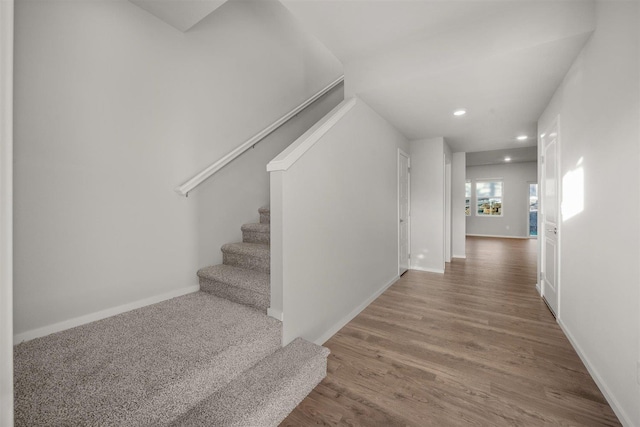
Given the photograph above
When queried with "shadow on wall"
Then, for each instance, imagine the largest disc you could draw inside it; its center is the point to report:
(232, 196)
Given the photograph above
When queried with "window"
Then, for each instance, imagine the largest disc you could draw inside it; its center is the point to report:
(533, 209)
(489, 198)
(467, 195)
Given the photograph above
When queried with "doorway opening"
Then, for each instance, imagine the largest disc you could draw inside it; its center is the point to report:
(404, 182)
(533, 209)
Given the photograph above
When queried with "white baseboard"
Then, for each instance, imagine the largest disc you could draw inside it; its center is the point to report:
(613, 402)
(429, 270)
(459, 256)
(103, 314)
(538, 289)
(346, 319)
(497, 236)
(276, 314)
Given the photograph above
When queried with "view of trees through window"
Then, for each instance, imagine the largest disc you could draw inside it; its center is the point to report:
(489, 198)
(533, 209)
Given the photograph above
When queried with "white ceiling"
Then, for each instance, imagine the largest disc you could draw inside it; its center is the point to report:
(181, 14)
(495, 157)
(415, 61)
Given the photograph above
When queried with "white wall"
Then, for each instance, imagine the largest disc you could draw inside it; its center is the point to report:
(599, 105)
(458, 218)
(113, 109)
(428, 204)
(337, 209)
(514, 221)
(6, 213)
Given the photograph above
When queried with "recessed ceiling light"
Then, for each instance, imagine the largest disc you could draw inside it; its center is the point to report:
(460, 112)
(522, 137)
(507, 159)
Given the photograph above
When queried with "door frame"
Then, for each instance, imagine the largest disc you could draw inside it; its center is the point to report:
(403, 153)
(541, 213)
(6, 212)
(448, 167)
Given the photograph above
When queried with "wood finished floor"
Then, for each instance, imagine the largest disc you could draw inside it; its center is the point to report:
(475, 346)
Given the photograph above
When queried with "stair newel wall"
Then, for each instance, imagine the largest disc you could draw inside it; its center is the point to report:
(277, 261)
(334, 242)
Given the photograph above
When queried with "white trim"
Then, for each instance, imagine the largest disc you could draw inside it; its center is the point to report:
(402, 153)
(498, 236)
(276, 314)
(459, 256)
(346, 319)
(538, 288)
(448, 231)
(292, 153)
(444, 208)
(613, 402)
(103, 314)
(6, 212)
(196, 180)
(428, 270)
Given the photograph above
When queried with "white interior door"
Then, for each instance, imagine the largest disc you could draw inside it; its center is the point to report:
(549, 269)
(403, 212)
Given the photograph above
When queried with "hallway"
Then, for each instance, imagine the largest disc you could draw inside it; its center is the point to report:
(475, 346)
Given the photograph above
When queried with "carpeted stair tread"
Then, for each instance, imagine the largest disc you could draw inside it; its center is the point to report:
(254, 256)
(252, 280)
(257, 250)
(144, 367)
(264, 395)
(240, 285)
(256, 233)
(257, 227)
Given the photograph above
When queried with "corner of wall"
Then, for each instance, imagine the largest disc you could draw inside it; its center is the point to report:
(428, 204)
(6, 212)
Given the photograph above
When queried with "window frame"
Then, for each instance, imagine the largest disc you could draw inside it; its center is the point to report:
(501, 214)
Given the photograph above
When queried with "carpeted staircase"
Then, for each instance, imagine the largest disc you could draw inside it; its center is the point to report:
(212, 358)
(244, 275)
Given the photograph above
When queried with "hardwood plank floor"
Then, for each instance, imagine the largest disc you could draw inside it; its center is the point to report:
(475, 346)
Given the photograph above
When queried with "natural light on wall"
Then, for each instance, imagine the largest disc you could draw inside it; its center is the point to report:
(573, 192)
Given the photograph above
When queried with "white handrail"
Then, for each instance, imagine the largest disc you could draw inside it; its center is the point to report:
(192, 183)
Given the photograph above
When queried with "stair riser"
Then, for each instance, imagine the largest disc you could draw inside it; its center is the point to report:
(236, 294)
(240, 356)
(279, 405)
(265, 217)
(247, 261)
(291, 395)
(256, 237)
(259, 397)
